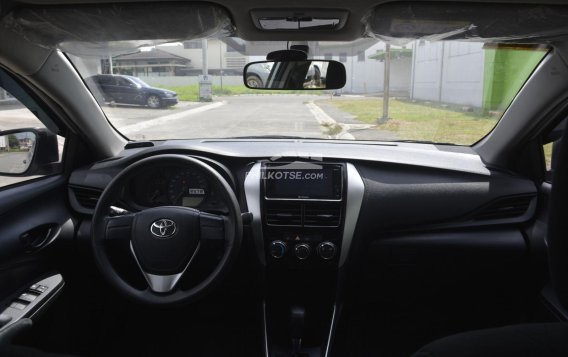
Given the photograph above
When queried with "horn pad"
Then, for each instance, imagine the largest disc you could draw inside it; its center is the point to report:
(165, 238)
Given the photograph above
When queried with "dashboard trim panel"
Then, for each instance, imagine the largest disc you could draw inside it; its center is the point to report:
(354, 200)
(253, 197)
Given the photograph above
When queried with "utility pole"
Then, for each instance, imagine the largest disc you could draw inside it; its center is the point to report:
(386, 86)
(221, 63)
(110, 70)
(204, 58)
(205, 85)
(440, 88)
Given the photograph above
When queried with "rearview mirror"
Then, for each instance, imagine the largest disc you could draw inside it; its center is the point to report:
(294, 75)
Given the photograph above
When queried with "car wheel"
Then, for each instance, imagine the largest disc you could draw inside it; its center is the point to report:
(254, 82)
(153, 101)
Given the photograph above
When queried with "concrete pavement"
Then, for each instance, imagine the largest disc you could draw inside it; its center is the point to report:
(305, 115)
(14, 162)
(247, 115)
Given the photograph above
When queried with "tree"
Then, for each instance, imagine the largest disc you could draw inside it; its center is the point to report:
(13, 141)
(395, 54)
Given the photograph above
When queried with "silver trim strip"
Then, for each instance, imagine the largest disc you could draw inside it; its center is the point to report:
(355, 192)
(265, 328)
(162, 283)
(252, 195)
(331, 331)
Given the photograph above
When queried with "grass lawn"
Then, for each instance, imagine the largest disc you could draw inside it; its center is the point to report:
(413, 121)
(191, 92)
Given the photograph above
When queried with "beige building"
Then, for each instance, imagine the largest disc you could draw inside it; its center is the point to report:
(181, 59)
(220, 56)
(152, 63)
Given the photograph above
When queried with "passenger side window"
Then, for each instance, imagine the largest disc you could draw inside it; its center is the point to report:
(28, 148)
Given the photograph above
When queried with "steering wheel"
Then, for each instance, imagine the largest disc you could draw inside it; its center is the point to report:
(164, 240)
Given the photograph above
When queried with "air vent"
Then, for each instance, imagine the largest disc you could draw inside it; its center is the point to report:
(87, 197)
(283, 214)
(509, 207)
(322, 214)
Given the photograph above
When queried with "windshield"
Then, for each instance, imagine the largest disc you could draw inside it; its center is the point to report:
(443, 92)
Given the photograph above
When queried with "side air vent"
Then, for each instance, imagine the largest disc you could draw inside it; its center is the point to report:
(283, 214)
(508, 207)
(86, 197)
(322, 215)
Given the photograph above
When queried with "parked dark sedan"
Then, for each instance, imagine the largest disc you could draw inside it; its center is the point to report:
(131, 90)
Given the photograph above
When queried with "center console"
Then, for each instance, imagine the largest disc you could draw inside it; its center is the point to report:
(303, 209)
(304, 217)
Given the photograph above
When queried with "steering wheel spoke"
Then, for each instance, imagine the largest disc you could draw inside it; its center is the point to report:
(118, 228)
(162, 283)
(212, 226)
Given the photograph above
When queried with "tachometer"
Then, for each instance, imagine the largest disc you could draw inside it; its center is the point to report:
(188, 188)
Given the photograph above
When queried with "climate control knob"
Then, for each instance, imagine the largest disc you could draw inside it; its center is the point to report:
(326, 250)
(302, 251)
(277, 249)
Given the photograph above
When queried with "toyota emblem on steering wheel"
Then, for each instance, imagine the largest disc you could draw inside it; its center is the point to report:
(163, 228)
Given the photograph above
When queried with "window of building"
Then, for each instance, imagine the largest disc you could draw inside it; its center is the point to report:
(192, 44)
(328, 56)
(361, 56)
(343, 57)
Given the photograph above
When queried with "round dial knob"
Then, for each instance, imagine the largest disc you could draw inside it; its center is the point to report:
(302, 251)
(326, 250)
(277, 249)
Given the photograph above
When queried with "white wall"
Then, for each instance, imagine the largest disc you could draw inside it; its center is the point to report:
(458, 66)
(216, 54)
(367, 77)
(463, 74)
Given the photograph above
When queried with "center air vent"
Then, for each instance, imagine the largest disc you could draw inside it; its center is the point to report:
(503, 208)
(308, 214)
(283, 214)
(322, 214)
(86, 197)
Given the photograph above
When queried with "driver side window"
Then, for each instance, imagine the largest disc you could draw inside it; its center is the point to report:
(21, 132)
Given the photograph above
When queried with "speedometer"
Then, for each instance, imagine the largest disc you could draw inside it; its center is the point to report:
(188, 188)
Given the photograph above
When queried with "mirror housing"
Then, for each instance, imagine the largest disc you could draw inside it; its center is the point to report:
(295, 75)
(27, 152)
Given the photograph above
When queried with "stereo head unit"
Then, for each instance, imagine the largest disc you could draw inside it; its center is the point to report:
(302, 181)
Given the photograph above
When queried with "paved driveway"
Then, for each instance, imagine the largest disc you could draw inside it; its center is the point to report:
(247, 115)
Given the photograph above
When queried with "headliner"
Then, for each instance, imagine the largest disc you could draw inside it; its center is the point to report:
(239, 10)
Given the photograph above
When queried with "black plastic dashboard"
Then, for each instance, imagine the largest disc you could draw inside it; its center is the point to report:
(407, 186)
(380, 222)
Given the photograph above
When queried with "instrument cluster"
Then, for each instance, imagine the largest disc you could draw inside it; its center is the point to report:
(175, 186)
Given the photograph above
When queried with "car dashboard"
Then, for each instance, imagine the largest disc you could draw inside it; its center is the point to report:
(340, 217)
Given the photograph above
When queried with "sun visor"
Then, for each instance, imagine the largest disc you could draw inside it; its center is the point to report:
(91, 29)
(437, 21)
